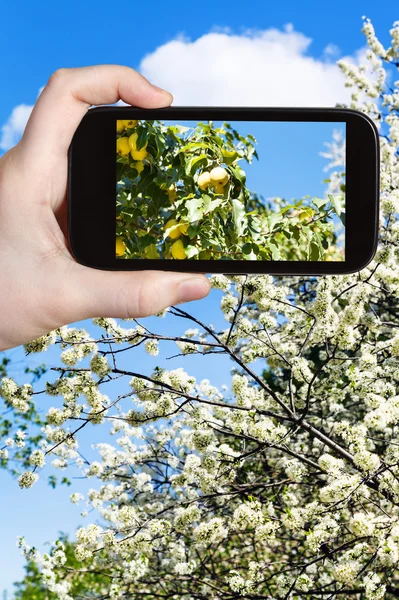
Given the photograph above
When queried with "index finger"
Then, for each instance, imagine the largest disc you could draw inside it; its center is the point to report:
(68, 95)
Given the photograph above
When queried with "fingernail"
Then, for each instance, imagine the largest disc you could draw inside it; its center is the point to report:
(193, 288)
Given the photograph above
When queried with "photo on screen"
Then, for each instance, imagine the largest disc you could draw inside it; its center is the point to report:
(239, 190)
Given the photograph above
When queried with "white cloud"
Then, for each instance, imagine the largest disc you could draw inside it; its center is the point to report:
(264, 68)
(254, 68)
(14, 127)
(331, 50)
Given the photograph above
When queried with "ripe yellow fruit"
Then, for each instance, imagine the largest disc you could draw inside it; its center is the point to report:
(184, 228)
(139, 166)
(129, 124)
(219, 175)
(120, 247)
(133, 141)
(172, 192)
(139, 154)
(178, 250)
(122, 146)
(176, 232)
(119, 126)
(218, 188)
(204, 180)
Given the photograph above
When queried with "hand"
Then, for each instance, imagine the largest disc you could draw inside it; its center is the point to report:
(41, 285)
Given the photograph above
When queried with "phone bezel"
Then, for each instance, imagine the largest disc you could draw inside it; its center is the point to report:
(92, 181)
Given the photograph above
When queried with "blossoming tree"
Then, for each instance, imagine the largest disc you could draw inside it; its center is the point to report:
(284, 485)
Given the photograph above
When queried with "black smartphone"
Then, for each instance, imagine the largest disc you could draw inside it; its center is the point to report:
(224, 190)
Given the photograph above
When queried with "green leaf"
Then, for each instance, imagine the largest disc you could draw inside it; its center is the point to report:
(274, 250)
(272, 220)
(195, 163)
(239, 217)
(319, 202)
(255, 224)
(218, 140)
(119, 170)
(206, 203)
(195, 209)
(336, 202)
(239, 173)
(191, 251)
(195, 145)
(265, 253)
(287, 208)
(161, 178)
(179, 129)
(247, 248)
(151, 251)
(141, 138)
(325, 243)
(314, 251)
(183, 201)
(214, 204)
(193, 231)
(306, 213)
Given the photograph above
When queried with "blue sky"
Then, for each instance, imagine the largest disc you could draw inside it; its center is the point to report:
(281, 170)
(38, 38)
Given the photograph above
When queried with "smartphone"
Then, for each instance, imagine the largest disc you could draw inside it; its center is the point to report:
(288, 191)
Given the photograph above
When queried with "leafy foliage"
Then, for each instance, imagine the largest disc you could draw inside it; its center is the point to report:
(32, 587)
(163, 197)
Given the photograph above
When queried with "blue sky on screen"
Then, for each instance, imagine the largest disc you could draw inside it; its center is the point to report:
(290, 164)
(258, 53)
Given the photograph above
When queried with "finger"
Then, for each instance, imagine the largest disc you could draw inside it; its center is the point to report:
(68, 95)
(94, 293)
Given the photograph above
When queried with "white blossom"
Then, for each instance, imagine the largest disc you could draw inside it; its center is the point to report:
(27, 479)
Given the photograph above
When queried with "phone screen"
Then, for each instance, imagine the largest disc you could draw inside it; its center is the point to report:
(237, 190)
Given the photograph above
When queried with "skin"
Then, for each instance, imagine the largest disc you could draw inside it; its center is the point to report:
(42, 286)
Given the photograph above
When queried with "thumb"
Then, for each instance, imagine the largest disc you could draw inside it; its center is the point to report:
(97, 293)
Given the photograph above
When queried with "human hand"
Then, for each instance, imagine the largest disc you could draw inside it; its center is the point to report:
(42, 286)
